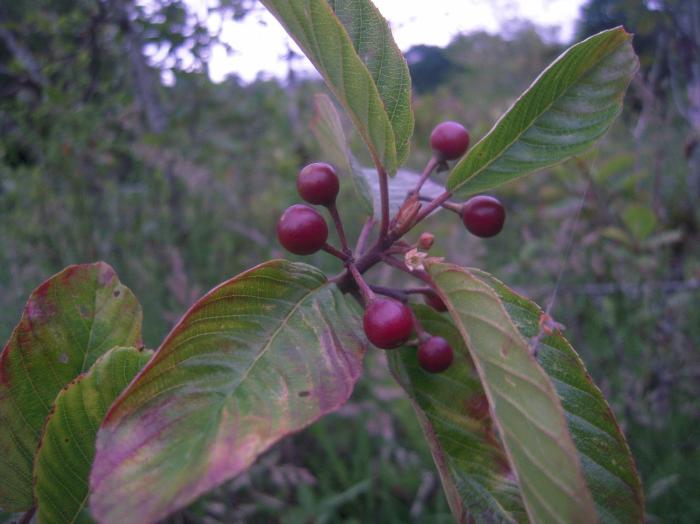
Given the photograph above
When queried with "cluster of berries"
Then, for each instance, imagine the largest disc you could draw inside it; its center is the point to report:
(388, 323)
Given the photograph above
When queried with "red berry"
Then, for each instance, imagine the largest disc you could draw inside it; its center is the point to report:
(388, 323)
(318, 184)
(483, 216)
(302, 230)
(435, 355)
(435, 302)
(449, 140)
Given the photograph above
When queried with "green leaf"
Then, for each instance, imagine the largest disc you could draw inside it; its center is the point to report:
(640, 220)
(68, 322)
(260, 356)
(328, 130)
(454, 415)
(63, 459)
(315, 28)
(372, 39)
(399, 186)
(608, 466)
(525, 408)
(566, 109)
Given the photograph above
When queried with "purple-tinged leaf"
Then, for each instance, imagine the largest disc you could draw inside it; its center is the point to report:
(257, 358)
(68, 322)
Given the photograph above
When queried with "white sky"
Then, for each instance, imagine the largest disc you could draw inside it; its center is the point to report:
(260, 43)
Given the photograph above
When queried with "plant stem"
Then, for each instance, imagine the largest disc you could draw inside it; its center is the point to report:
(429, 167)
(333, 210)
(384, 198)
(367, 294)
(423, 335)
(398, 294)
(425, 211)
(27, 517)
(364, 234)
(336, 252)
(419, 291)
(452, 206)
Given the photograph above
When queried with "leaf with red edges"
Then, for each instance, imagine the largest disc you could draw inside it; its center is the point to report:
(261, 356)
(68, 322)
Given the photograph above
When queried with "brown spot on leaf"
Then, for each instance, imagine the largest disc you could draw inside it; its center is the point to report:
(478, 406)
(116, 293)
(63, 358)
(304, 393)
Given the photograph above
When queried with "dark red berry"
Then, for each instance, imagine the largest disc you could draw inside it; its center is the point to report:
(449, 140)
(302, 230)
(435, 355)
(388, 323)
(318, 184)
(435, 302)
(483, 216)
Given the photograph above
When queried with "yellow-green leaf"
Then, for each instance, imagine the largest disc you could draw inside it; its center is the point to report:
(63, 459)
(524, 405)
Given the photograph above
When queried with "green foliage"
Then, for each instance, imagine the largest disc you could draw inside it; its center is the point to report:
(608, 466)
(376, 95)
(524, 405)
(64, 456)
(260, 356)
(454, 414)
(83, 176)
(328, 130)
(570, 105)
(68, 322)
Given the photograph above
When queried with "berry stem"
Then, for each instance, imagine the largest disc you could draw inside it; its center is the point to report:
(367, 293)
(364, 235)
(336, 252)
(451, 206)
(432, 206)
(422, 334)
(419, 291)
(429, 167)
(398, 294)
(384, 198)
(333, 210)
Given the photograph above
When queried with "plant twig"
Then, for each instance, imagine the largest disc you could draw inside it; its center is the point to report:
(26, 518)
(336, 252)
(429, 167)
(451, 206)
(364, 234)
(384, 198)
(398, 294)
(419, 291)
(367, 294)
(333, 210)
